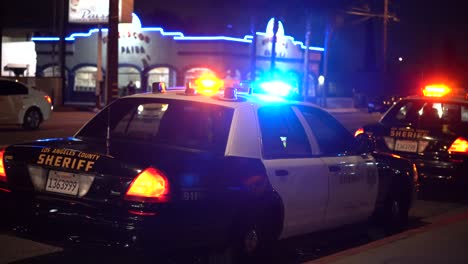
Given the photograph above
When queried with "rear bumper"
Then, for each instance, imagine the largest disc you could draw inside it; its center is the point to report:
(160, 232)
(450, 174)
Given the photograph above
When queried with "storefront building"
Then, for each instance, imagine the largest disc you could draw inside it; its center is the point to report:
(149, 55)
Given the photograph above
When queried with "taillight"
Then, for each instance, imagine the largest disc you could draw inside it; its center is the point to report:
(3, 177)
(151, 185)
(415, 174)
(48, 99)
(460, 145)
(359, 132)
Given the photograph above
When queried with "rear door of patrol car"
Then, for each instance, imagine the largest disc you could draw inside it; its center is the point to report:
(300, 178)
(352, 176)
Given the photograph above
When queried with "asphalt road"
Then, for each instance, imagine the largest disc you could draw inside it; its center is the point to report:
(61, 124)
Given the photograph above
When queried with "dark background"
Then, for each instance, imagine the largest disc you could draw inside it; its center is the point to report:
(430, 36)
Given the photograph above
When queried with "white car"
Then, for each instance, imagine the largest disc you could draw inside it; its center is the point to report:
(23, 105)
(233, 173)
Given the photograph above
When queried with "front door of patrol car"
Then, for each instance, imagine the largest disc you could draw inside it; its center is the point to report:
(352, 177)
(300, 179)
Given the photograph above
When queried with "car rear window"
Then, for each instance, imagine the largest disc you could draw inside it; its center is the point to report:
(427, 113)
(170, 122)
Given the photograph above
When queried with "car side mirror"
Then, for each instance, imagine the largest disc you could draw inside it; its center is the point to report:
(365, 143)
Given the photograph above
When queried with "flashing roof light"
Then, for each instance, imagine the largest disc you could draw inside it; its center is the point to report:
(208, 84)
(278, 88)
(436, 90)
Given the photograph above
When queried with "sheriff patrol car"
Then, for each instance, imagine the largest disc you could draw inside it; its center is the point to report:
(206, 168)
(430, 129)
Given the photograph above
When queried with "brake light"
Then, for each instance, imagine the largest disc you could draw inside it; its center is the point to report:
(460, 145)
(151, 185)
(3, 177)
(359, 132)
(48, 99)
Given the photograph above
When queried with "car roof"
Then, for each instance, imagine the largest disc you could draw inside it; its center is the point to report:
(243, 99)
(453, 99)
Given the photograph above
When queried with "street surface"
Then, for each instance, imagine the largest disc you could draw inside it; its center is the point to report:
(19, 247)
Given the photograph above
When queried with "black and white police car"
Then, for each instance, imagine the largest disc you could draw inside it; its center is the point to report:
(184, 169)
(430, 129)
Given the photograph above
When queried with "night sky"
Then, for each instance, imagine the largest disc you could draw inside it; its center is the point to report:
(431, 35)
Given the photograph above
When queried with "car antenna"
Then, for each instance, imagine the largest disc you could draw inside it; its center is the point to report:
(108, 132)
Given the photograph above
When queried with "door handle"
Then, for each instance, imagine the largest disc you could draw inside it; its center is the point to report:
(334, 168)
(281, 172)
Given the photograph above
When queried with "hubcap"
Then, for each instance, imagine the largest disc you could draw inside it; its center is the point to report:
(251, 241)
(395, 209)
(33, 119)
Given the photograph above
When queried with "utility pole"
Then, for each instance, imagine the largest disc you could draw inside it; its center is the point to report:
(62, 48)
(385, 23)
(273, 45)
(305, 77)
(328, 33)
(112, 51)
(386, 16)
(99, 68)
(253, 52)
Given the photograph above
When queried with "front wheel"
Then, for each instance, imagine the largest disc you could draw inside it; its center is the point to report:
(32, 119)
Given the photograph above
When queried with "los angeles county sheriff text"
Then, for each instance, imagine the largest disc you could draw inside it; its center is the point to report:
(66, 158)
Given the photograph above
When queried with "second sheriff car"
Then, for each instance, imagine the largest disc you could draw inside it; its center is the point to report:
(430, 129)
(228, 170)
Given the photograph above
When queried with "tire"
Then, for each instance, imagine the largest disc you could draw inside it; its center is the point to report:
(32, 119)
(250, 242)
(395, 214)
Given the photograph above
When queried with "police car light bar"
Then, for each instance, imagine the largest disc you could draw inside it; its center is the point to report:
(208, 84)
(436, 90)
(277, 88)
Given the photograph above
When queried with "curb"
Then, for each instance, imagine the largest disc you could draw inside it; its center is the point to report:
(444, 221)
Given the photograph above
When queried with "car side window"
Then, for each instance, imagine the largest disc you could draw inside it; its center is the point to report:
(405, 112)
(170, 122)
(282, 133)
(332, 137)
(12, 88)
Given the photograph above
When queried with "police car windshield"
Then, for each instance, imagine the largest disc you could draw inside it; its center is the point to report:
(427, 113)
(159, 121)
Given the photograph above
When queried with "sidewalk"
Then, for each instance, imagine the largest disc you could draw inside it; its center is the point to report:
(442, 241)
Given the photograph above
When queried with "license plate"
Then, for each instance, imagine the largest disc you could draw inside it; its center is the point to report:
(63, 182)
(406, 145)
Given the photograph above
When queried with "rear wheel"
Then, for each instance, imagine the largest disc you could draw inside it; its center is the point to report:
(396, 213)
(249, 242)
(32, 119)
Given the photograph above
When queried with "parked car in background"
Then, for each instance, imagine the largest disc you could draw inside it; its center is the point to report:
(432, 131)
(382, 103)
(23, 105)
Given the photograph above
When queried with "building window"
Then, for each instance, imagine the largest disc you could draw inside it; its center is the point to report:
(127, 74)
(52, 71)
(161, 74)
(85, 79)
